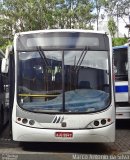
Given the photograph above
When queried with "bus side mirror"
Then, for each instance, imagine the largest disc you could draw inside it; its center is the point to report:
(5, 60)
(5, 65)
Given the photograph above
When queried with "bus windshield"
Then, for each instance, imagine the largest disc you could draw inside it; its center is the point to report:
(63, 80)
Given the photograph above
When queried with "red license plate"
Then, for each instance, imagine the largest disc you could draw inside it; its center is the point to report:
(64, 134)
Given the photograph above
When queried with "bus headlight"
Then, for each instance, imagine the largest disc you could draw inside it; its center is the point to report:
(99, 123)
(25, 121)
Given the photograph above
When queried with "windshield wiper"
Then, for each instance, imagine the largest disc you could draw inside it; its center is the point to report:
(43, 56)
(81, 58)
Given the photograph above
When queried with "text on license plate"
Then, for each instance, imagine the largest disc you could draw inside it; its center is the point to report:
(64, 134)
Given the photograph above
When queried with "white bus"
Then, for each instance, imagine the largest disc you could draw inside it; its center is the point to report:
(121, 81)
(4, 108)
(129, 71)
(63, 86)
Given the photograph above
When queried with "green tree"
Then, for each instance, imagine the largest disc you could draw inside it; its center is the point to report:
(83, 14)
(44, 14)
(74, 14)
(118, 9)
(98, 5)
(119, 41)
(112, 27)
(25, 15)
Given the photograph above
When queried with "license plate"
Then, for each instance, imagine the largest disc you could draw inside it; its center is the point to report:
(64, 134)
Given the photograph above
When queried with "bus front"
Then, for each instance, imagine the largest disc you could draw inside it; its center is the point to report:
(63, 87)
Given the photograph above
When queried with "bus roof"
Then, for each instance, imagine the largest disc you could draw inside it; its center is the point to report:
(61, 30)
(120, 47)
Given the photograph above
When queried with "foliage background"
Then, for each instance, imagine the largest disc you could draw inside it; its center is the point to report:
(25, 15)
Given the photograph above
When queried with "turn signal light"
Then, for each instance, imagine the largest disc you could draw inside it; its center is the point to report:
(99, 123)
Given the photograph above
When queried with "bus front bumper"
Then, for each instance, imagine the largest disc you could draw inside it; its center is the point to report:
(26, 134)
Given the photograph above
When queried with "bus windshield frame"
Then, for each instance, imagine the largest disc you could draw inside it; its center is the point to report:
(77, 61)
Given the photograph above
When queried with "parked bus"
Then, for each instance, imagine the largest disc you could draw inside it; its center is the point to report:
(128, 70)
(121, 81)
(61, 86)
(3, 103)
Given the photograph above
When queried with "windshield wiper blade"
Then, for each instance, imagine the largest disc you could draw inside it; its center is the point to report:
(43, 56)
(81, 58)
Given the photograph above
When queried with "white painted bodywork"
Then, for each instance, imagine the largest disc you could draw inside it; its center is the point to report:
(121, 96)
(22, 133)
(102, 134)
